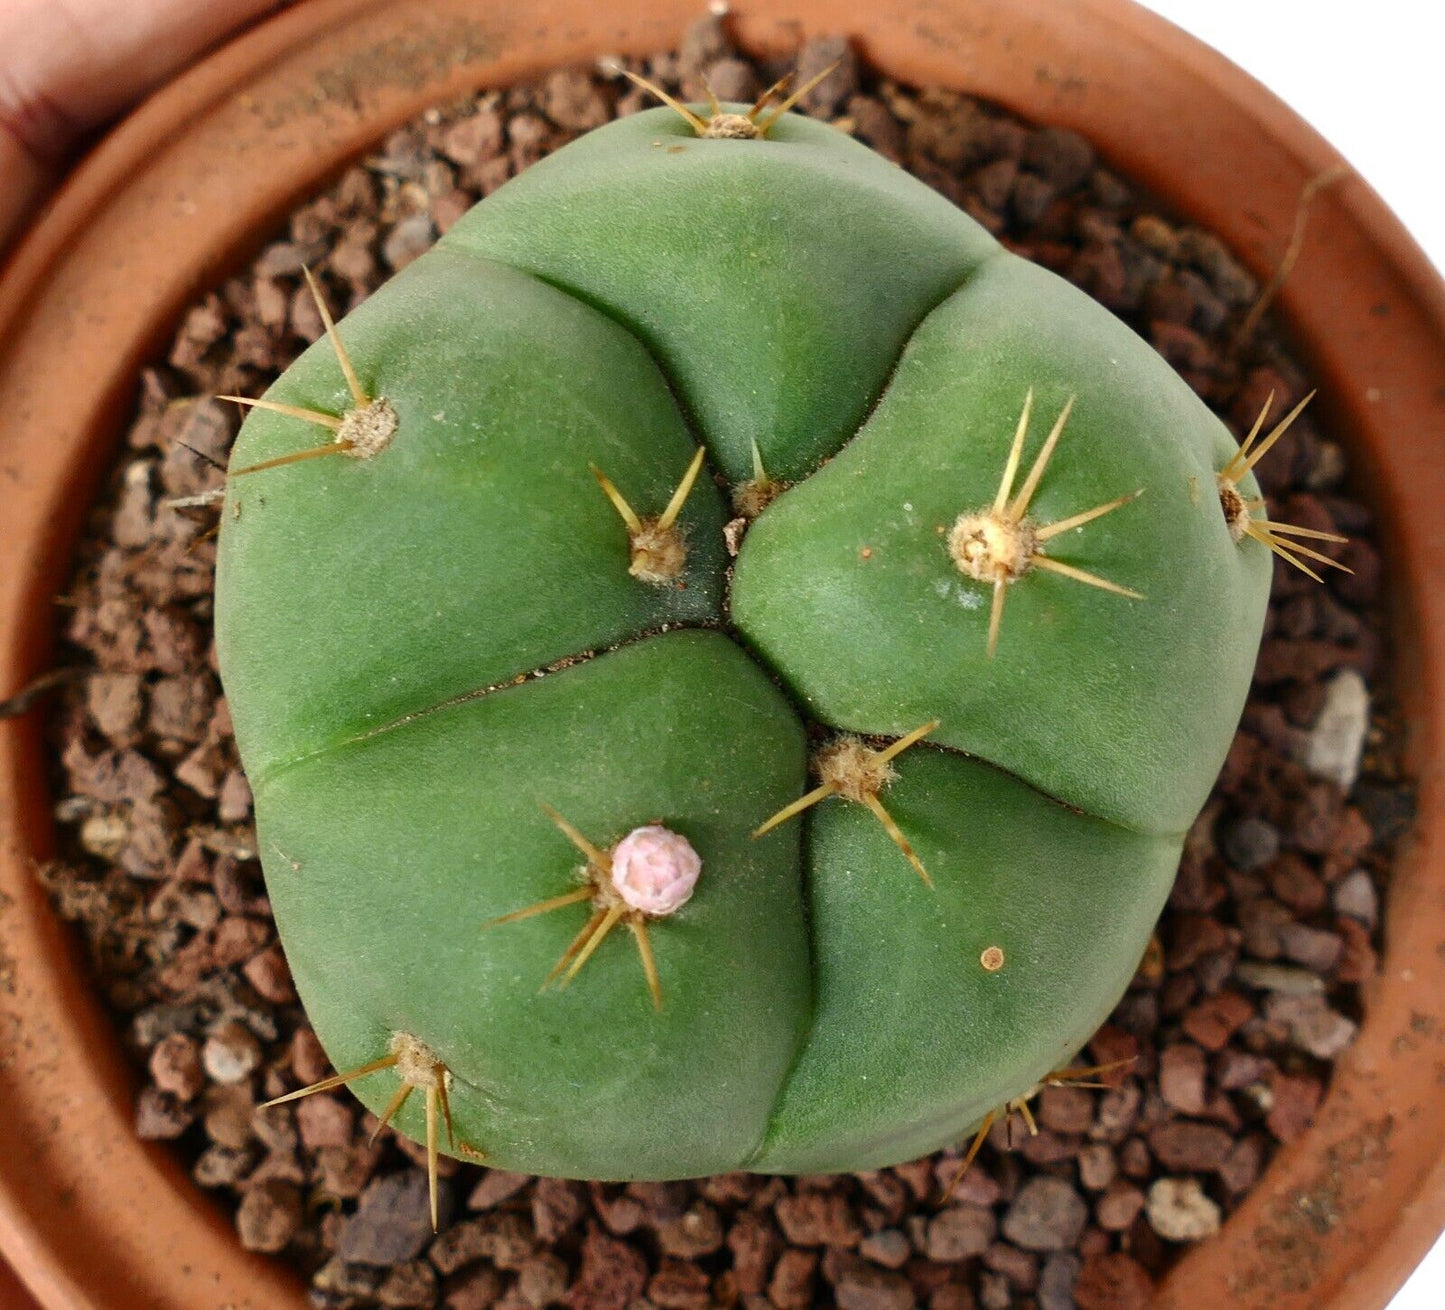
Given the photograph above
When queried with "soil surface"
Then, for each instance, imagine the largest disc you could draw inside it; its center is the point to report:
(1249, 991)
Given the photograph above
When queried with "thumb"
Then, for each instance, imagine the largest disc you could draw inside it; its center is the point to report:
(68, 66)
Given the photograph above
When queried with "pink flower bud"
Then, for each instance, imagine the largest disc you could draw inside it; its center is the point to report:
(655, 870)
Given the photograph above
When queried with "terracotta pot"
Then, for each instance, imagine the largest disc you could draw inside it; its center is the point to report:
(185, 189)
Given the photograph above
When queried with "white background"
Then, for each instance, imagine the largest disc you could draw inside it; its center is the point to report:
(1367, 76)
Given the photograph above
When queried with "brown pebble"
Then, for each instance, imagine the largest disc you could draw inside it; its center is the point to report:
(496, 1186)
(679, 1285)
(1182, 1077)
(874, 125)
(308, 1058)
(887, 1247)
(1046, 1215)
(734, 80)
(1241, 1167)
(959, 1232)
(861, 1286)
(698, 1232)
(1184, 1146)
(1113, 1282)
(1295, 884)
(345, 1170)
(475, 138)
(572, 100)
(951, 1296)
(175, 1065)
(1019, 1267)
(755, 1245)
(475, 1288)
(1119, 1206)
(160, 1116)
(324, 1121)
(1294, 1099)
(613, 1274)
(1066, 1109)
(1215, 1019)
(411, 1284)
(818, 1219)
(791, 1286)
(268, 973)
(227, 1111)
(115, 703)
(269, 1216)
(542, 1280)
(1358, 960)
(233, 801)
(557, 1205)
(222, 1166)
(834, 91)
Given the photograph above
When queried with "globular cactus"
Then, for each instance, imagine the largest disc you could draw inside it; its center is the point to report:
(490, 717)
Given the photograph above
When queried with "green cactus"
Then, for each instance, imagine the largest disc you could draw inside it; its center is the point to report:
(489, 717)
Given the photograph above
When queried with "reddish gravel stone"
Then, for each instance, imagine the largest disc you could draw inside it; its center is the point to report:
(308, 1059)
(1097, 1166)
(1241, 1167)
(1358, 960)
(1113, 1282)
(1186, 1147)
(506, 1239)
(557, 1207)
(887, 1247)
(175, 1066)
(269, 1217)
(496, 1186)
(160, 1116)
(613, 1274)
(818, 1219)
(697, 1233)
(861, 1286)
(1019, 1267)
(755, 1245)
(415, 1284)
(791, 1286)
(1046, 1215)
(1066, 1109)
(268, 974)
(324, 1121)
(1119, 1206)
(1182, 1077)
(474, 1288)
(1216, 1019)
(1294, 1101)
(959, 1232)
(679, 1285)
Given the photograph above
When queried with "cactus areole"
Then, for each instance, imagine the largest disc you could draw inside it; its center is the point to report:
(739, 701)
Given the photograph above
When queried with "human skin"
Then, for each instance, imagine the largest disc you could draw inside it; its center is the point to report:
(71, 66)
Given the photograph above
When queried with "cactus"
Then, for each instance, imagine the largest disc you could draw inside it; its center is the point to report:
(705, 453)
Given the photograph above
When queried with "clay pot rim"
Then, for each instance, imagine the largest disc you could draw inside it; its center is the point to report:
(91, 1217)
